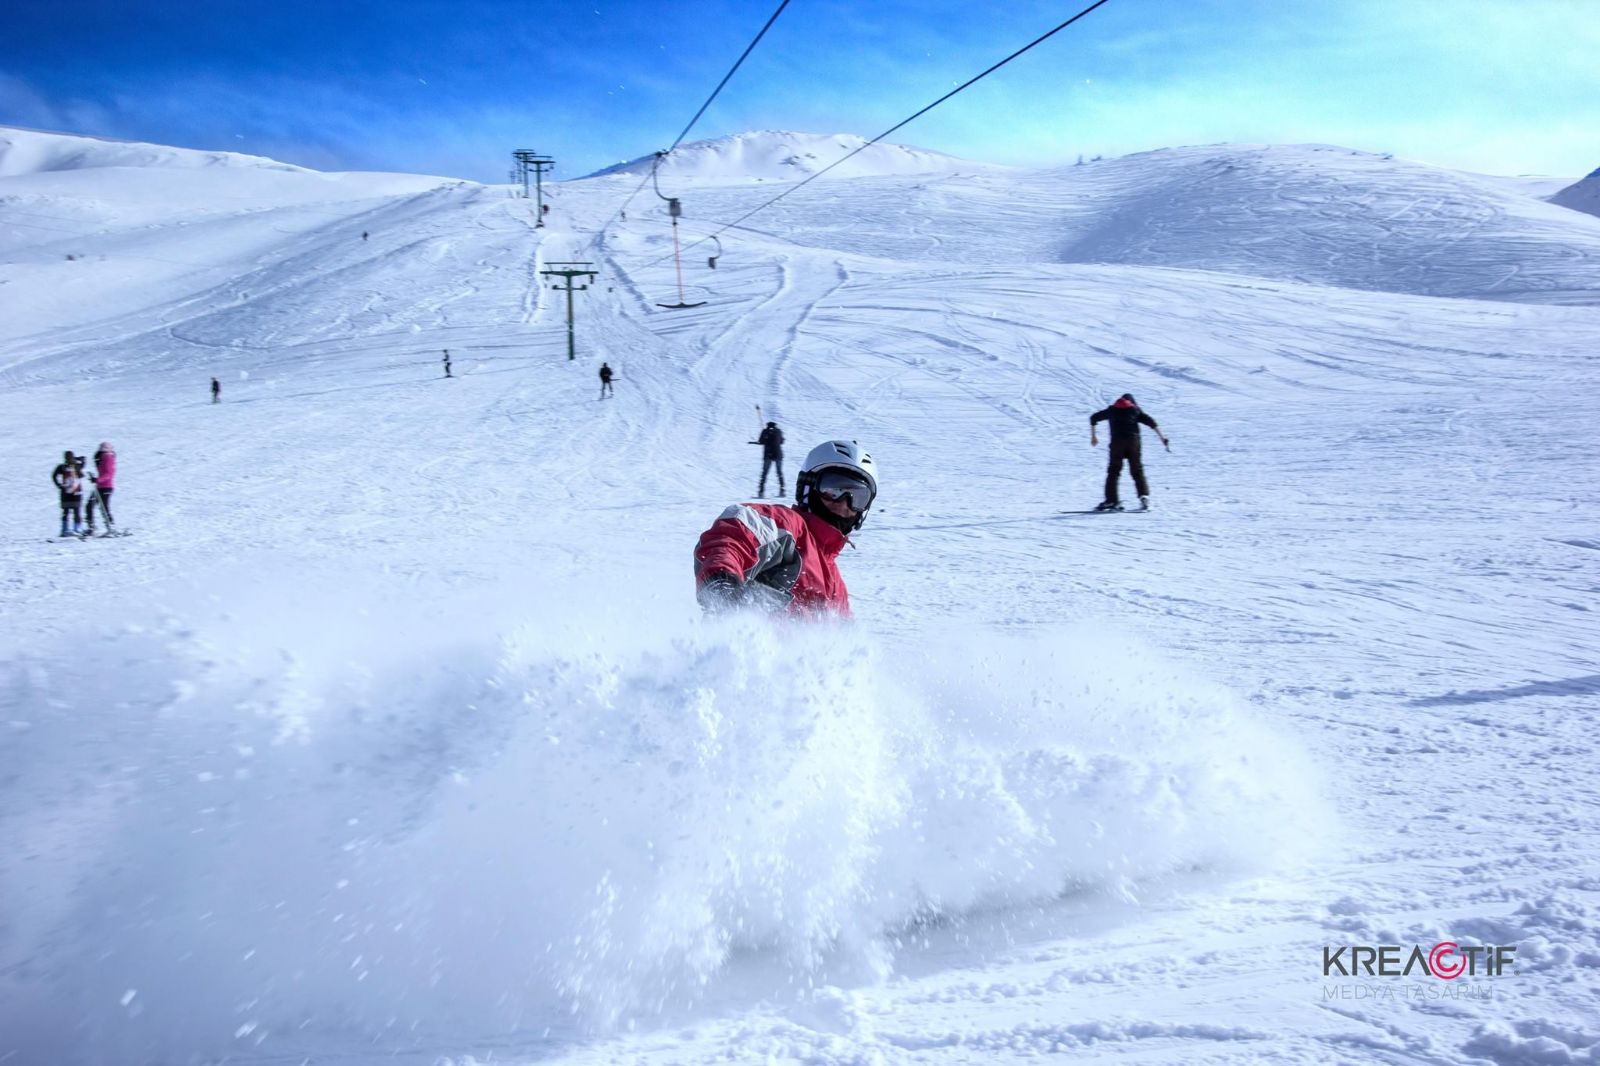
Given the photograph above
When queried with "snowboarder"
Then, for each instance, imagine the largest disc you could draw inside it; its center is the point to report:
(104, 480)
(771, 441)
(1125, 417)
(771, 557)
(216, 391)
(447, 362)
(605, 381)
(68, 478)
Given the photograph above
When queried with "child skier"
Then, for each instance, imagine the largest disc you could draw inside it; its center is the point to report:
(68, 479)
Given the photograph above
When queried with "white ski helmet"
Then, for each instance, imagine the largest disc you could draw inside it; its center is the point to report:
(844, 456)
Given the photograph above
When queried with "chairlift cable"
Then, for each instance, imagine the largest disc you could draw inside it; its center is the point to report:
(725, 78)
(731, 70)
(964, 85)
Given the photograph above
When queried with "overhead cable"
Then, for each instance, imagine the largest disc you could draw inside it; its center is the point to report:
(685, 132)
(966, 84)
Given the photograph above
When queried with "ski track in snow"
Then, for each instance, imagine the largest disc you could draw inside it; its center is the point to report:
(391, 734)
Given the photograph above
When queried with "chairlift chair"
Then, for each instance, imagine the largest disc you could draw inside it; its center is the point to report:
(675, 210)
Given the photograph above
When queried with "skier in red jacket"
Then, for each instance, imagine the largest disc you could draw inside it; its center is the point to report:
(772, 557)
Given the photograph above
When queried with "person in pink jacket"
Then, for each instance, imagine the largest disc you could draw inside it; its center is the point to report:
(773, 557)
(104, 479)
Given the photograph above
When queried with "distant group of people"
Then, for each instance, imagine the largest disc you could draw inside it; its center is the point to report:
(775, 557)
(73, 484)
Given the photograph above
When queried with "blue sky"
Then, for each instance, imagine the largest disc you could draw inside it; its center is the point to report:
(1501, 86)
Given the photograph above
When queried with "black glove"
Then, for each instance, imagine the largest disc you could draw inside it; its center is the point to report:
(721, 592)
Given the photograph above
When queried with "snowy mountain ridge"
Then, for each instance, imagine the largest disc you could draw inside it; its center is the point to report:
(25, 151)
(782, 155)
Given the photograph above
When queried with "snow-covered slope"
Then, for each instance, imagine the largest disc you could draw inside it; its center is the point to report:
(1538, 186)
(1307, 213)
(99, 229)
(1581, 195)
(780, 155)
(392, 733)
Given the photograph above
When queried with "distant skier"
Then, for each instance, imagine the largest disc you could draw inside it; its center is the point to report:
(216, 391)
(1125, 417)
(447, 362)
(104, 480)
(605, 381)
(68, 479)
(771, 441)
(769, 557)
(363, 234)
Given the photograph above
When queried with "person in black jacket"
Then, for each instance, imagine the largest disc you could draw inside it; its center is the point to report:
(1125, 417)
(771, 441)
(605, 381)
(68, 478)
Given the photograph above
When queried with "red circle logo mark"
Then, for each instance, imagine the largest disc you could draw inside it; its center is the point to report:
(1438, 961)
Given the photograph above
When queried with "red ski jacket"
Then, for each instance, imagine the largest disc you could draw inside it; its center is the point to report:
(788, 551)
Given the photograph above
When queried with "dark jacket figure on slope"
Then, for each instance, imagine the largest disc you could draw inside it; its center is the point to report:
(105, 483)
(770, 557)
(771, 441)
(216, 391)
(1125, 417)
(605, 381)
(68, 479)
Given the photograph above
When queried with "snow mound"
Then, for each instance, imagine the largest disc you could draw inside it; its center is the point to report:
(1332, 216)
(779, 155)
(24, 151)
(1581, 196)
(258, 824)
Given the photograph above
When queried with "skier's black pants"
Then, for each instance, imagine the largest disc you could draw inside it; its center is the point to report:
(605, 389)
(1120, 450)
(71, 505)
(767, 462)
(105, 504)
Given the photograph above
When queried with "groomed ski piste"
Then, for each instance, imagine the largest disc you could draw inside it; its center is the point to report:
(394, 735)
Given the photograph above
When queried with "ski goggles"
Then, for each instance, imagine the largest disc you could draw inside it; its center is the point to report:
(841, 485)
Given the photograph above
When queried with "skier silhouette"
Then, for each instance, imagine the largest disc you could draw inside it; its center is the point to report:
(771, 441)
(1125, 417)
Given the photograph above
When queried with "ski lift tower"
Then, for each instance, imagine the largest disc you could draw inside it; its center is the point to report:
(531, 161)
(569, 271)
